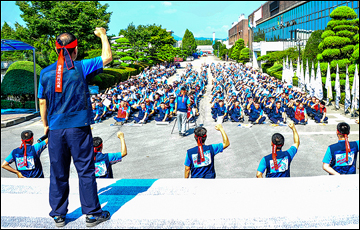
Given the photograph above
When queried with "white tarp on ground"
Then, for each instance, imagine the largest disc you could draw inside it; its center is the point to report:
(296, 202)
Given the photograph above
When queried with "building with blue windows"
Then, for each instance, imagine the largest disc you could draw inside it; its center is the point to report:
(290, 22)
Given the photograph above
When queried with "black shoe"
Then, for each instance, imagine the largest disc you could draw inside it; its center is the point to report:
(92, 221)
(59, 221)
(326, 122)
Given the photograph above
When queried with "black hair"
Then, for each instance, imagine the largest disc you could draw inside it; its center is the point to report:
(322, 102)
(96, 142)
(343, 128)
(278, 139)
(278, 102)
(27, 134)
(65, 39)
(298, 101)
(200, 132)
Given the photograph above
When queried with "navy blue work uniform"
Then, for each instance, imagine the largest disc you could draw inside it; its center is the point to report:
(69, 115)
(283, 159)
(205, 169)
(335, 156)
(103, 162)
(33, 169)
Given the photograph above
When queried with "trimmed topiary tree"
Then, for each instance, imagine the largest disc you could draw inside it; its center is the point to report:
(244, 55)
(19, 81)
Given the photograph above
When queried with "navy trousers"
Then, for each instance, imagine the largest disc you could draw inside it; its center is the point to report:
(78, 144)
(260, 121)
(276, 119)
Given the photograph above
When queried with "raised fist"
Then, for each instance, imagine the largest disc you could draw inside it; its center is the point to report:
(99, 31)
(120, 135)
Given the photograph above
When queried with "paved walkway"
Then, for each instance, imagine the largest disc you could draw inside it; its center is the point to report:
(312, 202)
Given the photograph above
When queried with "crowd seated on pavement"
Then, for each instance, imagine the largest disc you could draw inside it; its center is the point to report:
(239, 91)
(148, 96)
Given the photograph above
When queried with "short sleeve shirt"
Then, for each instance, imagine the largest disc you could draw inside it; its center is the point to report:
(218, 148)
(39, 147)
(262, 166)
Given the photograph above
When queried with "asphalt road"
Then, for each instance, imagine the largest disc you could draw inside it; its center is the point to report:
(154, 153)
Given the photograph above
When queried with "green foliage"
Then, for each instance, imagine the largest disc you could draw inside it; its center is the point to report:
(47, 19)
(347, 49)
(319, 57)
(244, 55)
(343, 12)
(278, 75)
(19, 79)
(327, 33)
(336, 41)
(356, 38)
(274, 68)
(342, 63)
(189, 43)
(345, 33)
(8, 104)
(127, 58)
(204, 42)
(93, 53)
(238, 46)
(29, 105)
(355, 56)
(330, 53)
(263, 58)
(312, 47)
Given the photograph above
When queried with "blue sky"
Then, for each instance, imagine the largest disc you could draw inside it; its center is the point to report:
(201, 18)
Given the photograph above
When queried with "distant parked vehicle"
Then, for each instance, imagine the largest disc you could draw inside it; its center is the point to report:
(204, 54)
(190, 58)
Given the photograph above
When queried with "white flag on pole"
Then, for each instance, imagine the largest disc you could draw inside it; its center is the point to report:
(307, 79)
(347, 91)
(328, 84)
(318, 86)
(353, 91)
(291, 73)
(312, 81)
(337, 87)
(283, 71)
(298, 72)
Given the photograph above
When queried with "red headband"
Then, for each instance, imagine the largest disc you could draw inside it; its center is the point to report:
(63, 56)
(201, 157)
(95, 150)
(347, 145)
(23, 143)
(274, 155)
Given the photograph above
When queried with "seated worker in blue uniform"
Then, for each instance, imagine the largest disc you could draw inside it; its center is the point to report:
(199, 161)
(310, 107)
(220, 111)
(163, 113)
(93, 107)
(270, 104)
(171, 107)
(143, 114)
(104, 161)
(100, 112)
(277, 164)
(320, 113)
(256, 115)
(237, 114)
(340, 158)
(214, 107)
(26, 157)
(249, 101)
(277, 115)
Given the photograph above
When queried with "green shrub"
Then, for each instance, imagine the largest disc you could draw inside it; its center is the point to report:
(345, 27)
(313, 46)
(347, 49)
(342, 63)
(29, 104)
(295, 81)
(124, 64)
(336, 41)
(121, 53)
(343, 12)
(341, 76)
(92, 53)
(274, 68)
(127, 58)
(355, 56)
(319, 57)
(330, 53)
(321, 46)
(278, 75)
(356, 39)
(8, 104)
(263, 58)
(96, 81)
(327, 33)
(19, 79)
(345, 33)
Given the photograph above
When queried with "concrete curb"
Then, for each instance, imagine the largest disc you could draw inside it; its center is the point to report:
(19, 120)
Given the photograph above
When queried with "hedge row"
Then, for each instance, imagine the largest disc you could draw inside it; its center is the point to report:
(6, 104)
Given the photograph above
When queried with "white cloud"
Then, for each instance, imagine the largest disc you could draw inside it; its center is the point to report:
(166, 3)
(170, 11)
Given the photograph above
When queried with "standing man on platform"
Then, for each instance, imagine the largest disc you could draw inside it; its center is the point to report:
(66, 113)
(199, 161)
(181, 103)
(278, 163)
(340, 158)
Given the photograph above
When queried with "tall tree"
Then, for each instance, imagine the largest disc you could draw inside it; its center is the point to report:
(188, 42)
(47, 19)
(238, 46)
